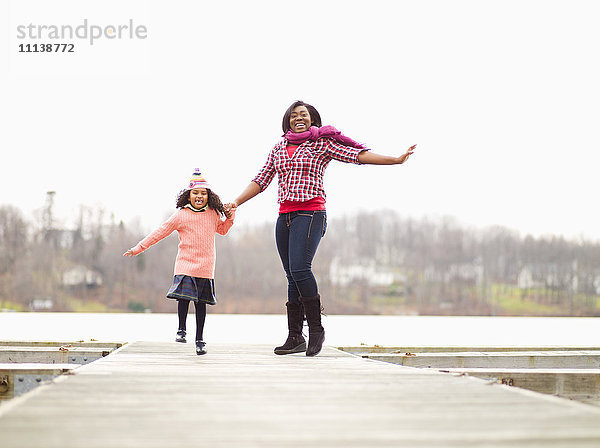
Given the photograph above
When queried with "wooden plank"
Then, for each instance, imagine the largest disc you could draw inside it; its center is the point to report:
(363, 349)
(16, 379)
(570, 383)
(37, 367)
(163, 395)
(524, 360)
(40, 354)
(91, 343)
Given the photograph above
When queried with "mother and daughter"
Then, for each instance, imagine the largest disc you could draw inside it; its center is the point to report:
(299, 161)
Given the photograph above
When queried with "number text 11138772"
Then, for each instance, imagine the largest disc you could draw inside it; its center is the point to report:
(46, 48)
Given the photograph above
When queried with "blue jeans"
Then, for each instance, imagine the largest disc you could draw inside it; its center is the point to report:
(298, 235)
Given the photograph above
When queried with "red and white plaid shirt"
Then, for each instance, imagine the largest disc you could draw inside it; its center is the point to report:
(300, 177)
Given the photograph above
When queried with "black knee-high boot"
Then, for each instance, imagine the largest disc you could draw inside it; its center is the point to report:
(316, 332)
(295, 342)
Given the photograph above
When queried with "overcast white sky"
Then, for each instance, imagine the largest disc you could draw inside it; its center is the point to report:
(500, 96)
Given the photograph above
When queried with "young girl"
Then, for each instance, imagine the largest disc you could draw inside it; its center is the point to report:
(198, 219)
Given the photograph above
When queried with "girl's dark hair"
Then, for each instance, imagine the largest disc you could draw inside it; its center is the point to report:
(214, 202)
(314, 115)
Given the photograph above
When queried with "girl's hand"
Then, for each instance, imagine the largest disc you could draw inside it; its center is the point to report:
(129, 253)
(404, 157)
(228, 212)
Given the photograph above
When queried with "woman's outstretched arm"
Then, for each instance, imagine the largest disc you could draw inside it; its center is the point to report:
(249, 192)
(371, 158)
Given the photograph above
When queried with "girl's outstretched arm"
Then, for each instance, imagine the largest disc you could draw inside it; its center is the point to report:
(371, 158)
(168, 227)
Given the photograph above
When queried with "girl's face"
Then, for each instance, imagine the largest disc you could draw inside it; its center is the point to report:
(300, 119)
(198, 197)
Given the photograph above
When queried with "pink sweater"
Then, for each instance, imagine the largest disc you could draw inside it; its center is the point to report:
(196, 255)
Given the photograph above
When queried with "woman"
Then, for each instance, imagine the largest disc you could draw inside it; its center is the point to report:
(299, 161)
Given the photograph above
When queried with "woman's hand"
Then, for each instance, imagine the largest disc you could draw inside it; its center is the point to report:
(404, 157)
(371, 158)
(129, 253)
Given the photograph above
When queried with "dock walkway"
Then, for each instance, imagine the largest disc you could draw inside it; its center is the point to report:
(152, 394)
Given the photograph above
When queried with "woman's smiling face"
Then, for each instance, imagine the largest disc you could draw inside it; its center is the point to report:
(300, 119)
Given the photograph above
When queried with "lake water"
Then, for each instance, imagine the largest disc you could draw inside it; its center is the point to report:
(340, 330)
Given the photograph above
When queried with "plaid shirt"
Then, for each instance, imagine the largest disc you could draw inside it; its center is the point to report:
(300, 177)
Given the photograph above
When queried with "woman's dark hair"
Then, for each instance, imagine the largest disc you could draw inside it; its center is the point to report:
(314, 115)
(214, 202)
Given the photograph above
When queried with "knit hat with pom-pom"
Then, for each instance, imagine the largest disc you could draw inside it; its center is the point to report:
(197, 180)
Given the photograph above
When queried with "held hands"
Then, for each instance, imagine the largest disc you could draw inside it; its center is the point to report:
(229, 207)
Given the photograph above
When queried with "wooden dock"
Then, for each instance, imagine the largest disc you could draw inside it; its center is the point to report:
(370, 349)
(19, 378)
(517, 359)
(578, 384)
(149, 394)
(51, 355)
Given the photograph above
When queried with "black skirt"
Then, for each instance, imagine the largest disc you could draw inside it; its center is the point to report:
(195, 289)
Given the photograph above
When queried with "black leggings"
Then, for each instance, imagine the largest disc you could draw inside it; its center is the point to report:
(182, 312)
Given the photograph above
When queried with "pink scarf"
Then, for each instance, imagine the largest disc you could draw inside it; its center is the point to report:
(315, 133)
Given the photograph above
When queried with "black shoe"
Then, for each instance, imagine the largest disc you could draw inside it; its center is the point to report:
(200, 348)
(180, 336)
(293, 344)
